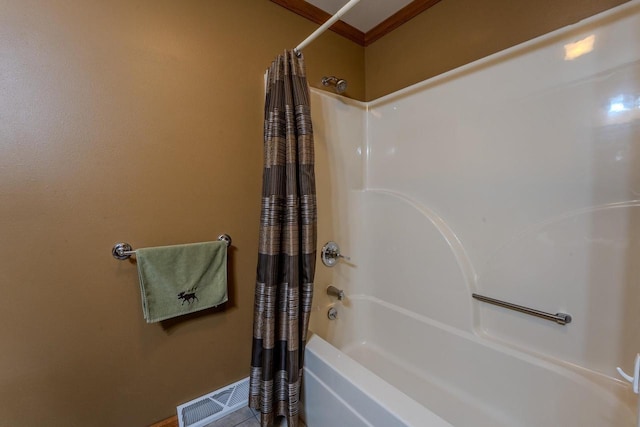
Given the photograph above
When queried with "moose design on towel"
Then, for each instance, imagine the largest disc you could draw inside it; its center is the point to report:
(188, 297)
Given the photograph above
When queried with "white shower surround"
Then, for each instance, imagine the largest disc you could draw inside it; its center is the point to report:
(517, 177)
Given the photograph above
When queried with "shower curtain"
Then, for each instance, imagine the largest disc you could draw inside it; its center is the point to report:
(287, 245)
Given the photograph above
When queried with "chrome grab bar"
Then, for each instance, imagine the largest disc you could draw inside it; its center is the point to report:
(559, 318)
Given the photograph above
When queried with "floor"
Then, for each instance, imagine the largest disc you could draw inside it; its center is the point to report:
(245, 417)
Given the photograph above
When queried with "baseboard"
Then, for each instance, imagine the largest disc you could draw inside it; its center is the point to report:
(169, 422)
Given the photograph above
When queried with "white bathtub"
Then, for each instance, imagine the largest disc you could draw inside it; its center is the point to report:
(390, 367)
(338, 391)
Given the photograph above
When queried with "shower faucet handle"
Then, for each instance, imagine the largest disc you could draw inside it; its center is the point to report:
(331, 253)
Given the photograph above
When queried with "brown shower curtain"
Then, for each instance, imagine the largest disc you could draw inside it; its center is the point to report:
(287, 246)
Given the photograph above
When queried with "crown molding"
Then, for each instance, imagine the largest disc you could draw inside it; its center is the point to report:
(319, 16)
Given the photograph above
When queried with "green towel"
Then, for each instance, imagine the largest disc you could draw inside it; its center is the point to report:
(181, 279)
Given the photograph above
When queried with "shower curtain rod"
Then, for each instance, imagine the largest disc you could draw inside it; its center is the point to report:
(324, 26)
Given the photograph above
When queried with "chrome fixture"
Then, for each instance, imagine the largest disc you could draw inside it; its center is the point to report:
(340, 84)
(123, 251)
(559, 318)
(633, 379)
(332, 314)
(333, 291)
(330, 254)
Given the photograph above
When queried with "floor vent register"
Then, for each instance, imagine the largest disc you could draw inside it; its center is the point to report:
(215, 405)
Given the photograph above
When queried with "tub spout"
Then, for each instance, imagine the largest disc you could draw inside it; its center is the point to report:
(333, 291)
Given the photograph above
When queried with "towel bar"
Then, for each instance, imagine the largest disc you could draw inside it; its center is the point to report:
(124, 250)
(559, 318)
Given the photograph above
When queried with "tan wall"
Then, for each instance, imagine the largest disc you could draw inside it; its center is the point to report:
(138, 121)
(455, 32)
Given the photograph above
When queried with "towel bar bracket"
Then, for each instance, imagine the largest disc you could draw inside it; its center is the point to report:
(225, 238)
(124, 251)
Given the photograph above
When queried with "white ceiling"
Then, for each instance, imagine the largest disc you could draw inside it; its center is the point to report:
(366, 14)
